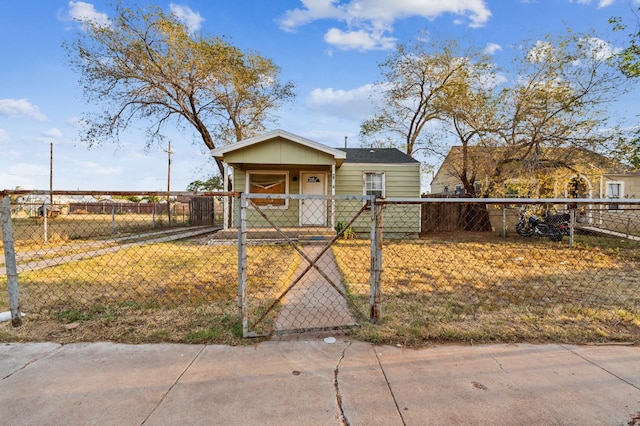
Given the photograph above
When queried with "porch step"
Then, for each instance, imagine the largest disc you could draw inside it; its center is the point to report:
(300, 234)
(311, 235)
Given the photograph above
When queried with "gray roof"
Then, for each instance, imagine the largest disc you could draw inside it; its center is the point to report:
(377, 156)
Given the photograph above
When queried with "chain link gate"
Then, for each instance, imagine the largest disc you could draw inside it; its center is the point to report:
(290, 279)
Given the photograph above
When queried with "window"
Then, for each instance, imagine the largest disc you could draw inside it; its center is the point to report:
(614, 191)
(374, 184)
(268, 183)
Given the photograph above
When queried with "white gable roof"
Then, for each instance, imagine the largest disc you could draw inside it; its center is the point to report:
(221, 151)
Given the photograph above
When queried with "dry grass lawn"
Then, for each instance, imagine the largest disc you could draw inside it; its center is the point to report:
(476, 289)
(499, 290)
(177, 292)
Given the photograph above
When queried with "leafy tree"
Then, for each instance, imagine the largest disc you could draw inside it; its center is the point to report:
(132, 198)
(558, 98)
(469, 109)
(417, 79)
(627, 149)
(214, 183)
(628, 60)
(145, 64)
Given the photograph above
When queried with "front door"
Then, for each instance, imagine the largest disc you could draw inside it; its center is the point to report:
(313, 212)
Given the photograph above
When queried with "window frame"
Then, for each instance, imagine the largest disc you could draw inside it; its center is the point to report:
(284, 173)
(608, 195)
(383, 182)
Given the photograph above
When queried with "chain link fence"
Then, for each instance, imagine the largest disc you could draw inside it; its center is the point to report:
(515, 269)
(306, 288)
(391, 271)
(128, 271)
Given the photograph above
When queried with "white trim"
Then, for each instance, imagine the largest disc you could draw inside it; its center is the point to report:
(374, 172)
(300, 190)
(383, 165)
(225, 200)
(620, 194)
(247, 185)
(221, 151)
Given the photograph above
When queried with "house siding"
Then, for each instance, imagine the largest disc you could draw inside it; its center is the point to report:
(278, 151)
(631, 183)
(286, 216)
(401, 181)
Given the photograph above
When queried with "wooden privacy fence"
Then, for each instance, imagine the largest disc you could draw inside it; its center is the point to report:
(202, 210)
(108, 208)
(449, 217)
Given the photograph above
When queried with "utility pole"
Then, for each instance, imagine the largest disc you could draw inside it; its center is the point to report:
(51, 172)
(169, 152)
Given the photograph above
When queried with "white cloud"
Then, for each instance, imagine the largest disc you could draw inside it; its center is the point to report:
(377, 17)
(187, 16)
(86, 12)
(492, 48)
(4, 136)
(20, 108)
(52, 133)
(24, 175)
(600, 49)
(543, 51)
(97, 169)
(12, 154)
(355, 104)
(601, 3)
(358, 40)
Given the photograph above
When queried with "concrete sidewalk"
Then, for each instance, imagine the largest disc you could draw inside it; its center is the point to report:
(312, 382)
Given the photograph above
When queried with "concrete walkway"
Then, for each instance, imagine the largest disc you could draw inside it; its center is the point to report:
(315, 382)
(55, 256)
(313, 304)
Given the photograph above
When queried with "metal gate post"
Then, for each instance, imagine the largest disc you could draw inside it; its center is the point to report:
(10, 262)
(572, 224)
(242, 263)
(504, 221)
(376, 261)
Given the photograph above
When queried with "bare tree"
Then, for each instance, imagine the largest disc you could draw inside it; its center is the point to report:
(145, 64)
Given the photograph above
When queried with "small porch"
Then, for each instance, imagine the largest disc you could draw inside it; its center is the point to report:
(303, 234)
(280, 163)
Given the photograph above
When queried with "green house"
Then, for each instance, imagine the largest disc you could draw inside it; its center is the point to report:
(280, 162)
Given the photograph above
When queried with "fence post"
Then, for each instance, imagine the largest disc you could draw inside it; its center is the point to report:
(10, 262)
(376, 261)
(572, 225)
(628, 227)
(504, 221)
(45, 229)
(242, 263)
(113, 219)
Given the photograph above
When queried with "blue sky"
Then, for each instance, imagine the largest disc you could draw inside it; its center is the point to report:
(329, 48)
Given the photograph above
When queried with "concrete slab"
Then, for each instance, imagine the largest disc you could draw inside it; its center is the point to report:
(312, 382)
(505, 384)
(621, 361)
(272, 383)
(96, 383)
(366, 396)
(16, 356)
(313, 303)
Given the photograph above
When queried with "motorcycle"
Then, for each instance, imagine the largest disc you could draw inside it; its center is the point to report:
(553, 228)
(559, 220)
